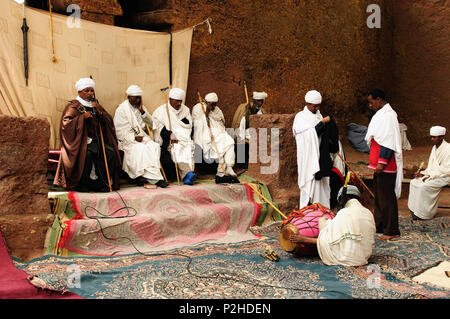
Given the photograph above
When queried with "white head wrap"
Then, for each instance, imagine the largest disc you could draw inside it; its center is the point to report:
(134, 90)
(176, 94)
(437, 131)
(84, 83)
(351, 190)
(313, 97)
(211, 97)
(259, 95)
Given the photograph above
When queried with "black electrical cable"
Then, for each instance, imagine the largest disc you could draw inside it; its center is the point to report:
(190, 259)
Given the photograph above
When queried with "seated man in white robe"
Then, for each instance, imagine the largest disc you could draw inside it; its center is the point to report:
(141, 154)
(425, 188)
(347, 239)
(172, 130)
(210, 134)
(241, 122)
(306, 133)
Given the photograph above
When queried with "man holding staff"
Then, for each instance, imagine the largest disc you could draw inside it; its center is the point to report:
(211, 136)
(172, 130)
(141, 153)
(90, 160)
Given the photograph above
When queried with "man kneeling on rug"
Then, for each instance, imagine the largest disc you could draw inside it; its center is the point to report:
(348, 238)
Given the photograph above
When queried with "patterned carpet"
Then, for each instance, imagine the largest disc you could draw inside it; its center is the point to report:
(237, 270)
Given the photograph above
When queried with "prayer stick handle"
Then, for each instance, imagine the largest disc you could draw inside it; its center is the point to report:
(362, 182)
(268, 202)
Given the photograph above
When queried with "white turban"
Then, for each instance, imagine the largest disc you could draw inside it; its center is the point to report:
(211, 97)
(176, 94)
(134, 90)
(313, 97)
(437, 131)
(351, 190)
(84, 83)
(259, 95)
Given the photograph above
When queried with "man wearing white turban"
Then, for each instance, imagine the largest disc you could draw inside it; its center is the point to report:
(241, 122)
(172, 130)
(425, 188)
(141, 153)
(210, 135)
(81, 165)
(307, 128)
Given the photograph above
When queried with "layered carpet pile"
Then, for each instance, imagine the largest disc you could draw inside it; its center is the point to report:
(237, 270)
(136, 219)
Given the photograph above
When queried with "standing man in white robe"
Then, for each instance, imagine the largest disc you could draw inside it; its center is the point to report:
(386, 159)
(425, 188)
(141, 154)
(209, 120)
(172, 130)
(308, 153)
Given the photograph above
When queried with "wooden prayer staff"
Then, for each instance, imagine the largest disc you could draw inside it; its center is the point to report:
(268, 202)
(246, 93)
(210, 131)
(160, 165)
(420, 168)
(359, 178)
(104, 156)
(170, 129)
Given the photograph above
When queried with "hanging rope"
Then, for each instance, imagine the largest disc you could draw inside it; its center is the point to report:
(54, 59)
(207, 21)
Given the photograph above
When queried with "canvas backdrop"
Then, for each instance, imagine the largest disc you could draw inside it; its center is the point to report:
(115, 57)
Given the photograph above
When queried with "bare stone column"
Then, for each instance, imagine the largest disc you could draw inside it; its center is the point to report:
(24, 207)
(282, 184)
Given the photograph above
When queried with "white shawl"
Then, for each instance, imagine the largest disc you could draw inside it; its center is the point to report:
(384, 129)
(181, 130)
(308, 142)
(202, 134)
(439, 162)
(129, 124)
(347, 239)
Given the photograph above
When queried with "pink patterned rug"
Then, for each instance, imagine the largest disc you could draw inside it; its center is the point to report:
(149, 220)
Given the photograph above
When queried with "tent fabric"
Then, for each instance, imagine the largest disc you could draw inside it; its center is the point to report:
(115, 57)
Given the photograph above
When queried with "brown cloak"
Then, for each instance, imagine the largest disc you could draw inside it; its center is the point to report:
(74, 130)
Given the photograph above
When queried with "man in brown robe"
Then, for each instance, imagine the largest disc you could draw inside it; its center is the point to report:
(81, 165)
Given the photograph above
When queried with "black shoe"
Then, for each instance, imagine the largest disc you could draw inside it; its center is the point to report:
(414, 217)
(162, 183)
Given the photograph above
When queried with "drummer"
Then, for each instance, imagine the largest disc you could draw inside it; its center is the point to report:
(348, 239)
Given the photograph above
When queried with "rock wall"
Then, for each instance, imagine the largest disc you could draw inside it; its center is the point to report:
(422, 69)
(280, 172)
(24, 206)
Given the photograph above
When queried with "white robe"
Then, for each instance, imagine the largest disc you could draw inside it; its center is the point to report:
(243, 132)
(423, 196)
(308, 155)
(222, 140)
(384, 129)
(140, 158)
(183, 151)
(348, 238)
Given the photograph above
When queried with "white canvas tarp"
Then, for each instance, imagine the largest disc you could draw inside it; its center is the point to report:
(115, 57)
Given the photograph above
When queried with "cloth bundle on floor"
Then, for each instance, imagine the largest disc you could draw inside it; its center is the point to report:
(140, 220)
